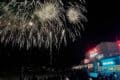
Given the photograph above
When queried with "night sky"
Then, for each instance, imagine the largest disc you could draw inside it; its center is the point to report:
(103, 25)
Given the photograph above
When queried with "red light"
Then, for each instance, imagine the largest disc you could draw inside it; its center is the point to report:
(118, 43)
(93, 52)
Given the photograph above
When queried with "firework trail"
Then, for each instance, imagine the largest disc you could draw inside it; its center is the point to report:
(39, 24)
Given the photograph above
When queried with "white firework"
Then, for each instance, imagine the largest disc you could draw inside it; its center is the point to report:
(75, 15)
(36, 24)
(47, 12)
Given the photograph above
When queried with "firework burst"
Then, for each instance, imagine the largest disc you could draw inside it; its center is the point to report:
(75, 17)
(35, 23)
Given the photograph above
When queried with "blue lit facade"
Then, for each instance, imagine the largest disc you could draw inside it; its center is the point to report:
(107, 65)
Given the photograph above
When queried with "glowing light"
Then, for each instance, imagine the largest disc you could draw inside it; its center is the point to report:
(93, 74)
(66, 78)
(86, 61)
(78, 67)
(90, 66)
(108, 63)
(100, 56)
(48, 11)
(73, 15)
(93, 53)
(30, 23)
(118, 43)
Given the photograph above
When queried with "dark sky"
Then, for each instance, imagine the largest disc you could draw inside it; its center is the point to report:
(103, 25)
(103, 21)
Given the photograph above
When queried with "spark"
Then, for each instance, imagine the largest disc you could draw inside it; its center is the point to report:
(30, 23)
